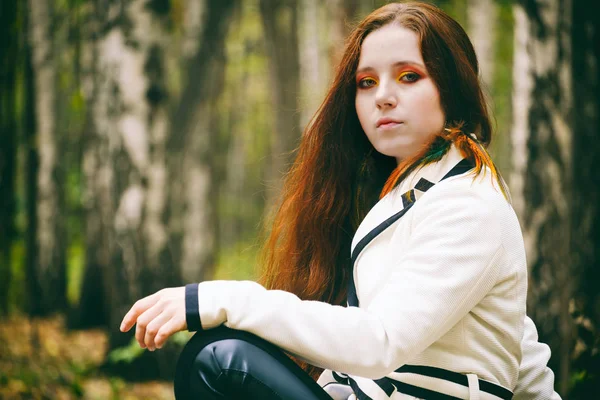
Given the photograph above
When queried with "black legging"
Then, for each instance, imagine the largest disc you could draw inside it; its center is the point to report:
(223, 363)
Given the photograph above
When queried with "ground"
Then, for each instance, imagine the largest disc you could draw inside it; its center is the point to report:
(40, 359)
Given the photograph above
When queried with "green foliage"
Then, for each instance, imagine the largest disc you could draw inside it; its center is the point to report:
(457, 9)
(75, 269)
(40, 359)
(181, 338)
(126, 354)
(501, 90)
(16, 291)
(583, 384)
(116, 385)
(238, 262)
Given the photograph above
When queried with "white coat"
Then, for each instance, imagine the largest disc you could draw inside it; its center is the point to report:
(444, 286)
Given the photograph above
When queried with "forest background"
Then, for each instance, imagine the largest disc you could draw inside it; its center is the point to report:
(143, 144)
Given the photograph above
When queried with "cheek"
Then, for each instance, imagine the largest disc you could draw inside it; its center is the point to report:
(360, 104)
(433, 116)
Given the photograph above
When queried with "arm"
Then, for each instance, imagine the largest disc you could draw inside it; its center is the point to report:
(536, 380)
(444, 271)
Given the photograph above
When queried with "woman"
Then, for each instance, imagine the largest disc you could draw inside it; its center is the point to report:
(436, 283)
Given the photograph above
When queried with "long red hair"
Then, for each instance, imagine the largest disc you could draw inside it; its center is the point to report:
(338, 176)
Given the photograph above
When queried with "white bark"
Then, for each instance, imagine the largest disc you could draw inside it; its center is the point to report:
(337, 29)
(312, 71)
(45, 78)
(542, 181)
(134, 132)
(198, 238)
(537, 58)
(521, 100)
(193, 188)
(198, 242)
(482, 16)
(192, 25)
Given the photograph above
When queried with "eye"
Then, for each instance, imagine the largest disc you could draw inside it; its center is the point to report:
(366, 83)
(409, 77)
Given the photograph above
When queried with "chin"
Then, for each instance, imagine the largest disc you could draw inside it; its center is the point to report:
(394, 152)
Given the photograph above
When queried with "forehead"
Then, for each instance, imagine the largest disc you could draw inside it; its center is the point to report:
(389, 44)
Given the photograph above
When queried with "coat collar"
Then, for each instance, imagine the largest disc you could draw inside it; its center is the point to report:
(396, 200)
(433, 173)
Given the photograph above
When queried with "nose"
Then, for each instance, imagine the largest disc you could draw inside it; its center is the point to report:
(385, 96)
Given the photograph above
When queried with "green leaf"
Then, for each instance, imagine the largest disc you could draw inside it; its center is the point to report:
(126, 354)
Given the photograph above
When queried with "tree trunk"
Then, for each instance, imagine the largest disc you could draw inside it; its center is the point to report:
(585, 205)
(280, 25)
(342, 15)
(125, 166)
(313, 66)
(482, 16)
(31, 172)
(8, 143)
(93, 308)
(555, 181)
(193, 194)
(484, 22)
(50, 239)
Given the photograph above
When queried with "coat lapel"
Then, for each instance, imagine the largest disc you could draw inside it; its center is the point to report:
(412, 188)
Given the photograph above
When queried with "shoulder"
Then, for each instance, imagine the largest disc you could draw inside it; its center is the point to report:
(481, 191)
(467, 202)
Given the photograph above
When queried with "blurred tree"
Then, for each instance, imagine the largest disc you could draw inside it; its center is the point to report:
(555, 181)
(93, 308)
(31, 163)
(125, 164)
(585, 205)
(48, 276)
(9, 49)
(343, 14)
(193, 185)
(488, 33)
(481, 22)
(246, 119)
(280, 24)
(313, 64)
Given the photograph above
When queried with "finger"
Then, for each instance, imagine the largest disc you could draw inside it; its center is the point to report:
(145, 319)
(172, 326)
(138, 308)
(154, 326)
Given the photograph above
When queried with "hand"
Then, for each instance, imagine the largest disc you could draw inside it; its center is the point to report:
(157, 317)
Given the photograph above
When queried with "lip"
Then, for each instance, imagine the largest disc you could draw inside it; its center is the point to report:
(387, 122)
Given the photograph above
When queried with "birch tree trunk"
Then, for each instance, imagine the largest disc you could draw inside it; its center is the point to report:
(194, 190)
(31, 169)
(9, 35)
(342, 16)
(94, 308)
(125, 164)
(50, 269)
(280, 25)
(585, 205)
(544, 167)
(313, 63)
(484, 23)
(481, 19)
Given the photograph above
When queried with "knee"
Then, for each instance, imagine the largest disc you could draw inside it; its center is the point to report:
(216, 359)
(217, 362)
(226, 365)
(202, 361)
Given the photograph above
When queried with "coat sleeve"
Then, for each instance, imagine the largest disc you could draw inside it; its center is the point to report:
(536, 380)
(446, 270)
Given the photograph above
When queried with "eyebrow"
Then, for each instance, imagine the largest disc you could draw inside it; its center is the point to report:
(396, 64)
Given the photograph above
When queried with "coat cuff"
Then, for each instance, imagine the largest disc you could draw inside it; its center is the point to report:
(192, 314)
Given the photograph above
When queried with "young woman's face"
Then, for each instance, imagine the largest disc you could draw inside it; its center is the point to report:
(397, 103)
